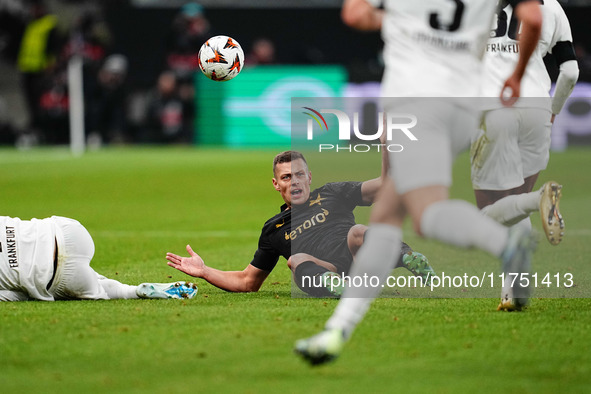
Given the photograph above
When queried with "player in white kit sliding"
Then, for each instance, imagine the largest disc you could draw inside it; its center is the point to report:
(49, 259)
(433, 48)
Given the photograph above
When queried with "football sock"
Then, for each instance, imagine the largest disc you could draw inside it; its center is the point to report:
(460, 223)
(376, 257)
(525, 223)
(404, 249)
(513, 209)
(308, 277)
(117, 290)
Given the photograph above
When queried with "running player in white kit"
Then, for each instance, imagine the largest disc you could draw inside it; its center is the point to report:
(49, 259)
(433, 48)
(513, 144)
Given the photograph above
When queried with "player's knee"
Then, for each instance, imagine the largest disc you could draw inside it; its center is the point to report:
(355, 237)
(357, 232)
(296, 259)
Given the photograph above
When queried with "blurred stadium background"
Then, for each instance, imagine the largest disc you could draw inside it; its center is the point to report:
(139, 203)
(128, 47)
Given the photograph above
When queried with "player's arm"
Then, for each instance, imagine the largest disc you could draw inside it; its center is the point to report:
(530, 15)
(248, 280)
(361, 15)
(567, 78)
(369, 189)
(564, 53)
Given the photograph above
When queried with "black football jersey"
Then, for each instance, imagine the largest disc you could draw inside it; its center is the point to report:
(319, 227)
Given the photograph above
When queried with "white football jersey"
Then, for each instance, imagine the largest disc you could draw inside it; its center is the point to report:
(434, 47)
(502, 52)
(26, 255)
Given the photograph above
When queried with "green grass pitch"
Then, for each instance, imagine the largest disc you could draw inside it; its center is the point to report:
(139, 203)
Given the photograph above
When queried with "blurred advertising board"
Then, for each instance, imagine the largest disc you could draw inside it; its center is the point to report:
(254, 109)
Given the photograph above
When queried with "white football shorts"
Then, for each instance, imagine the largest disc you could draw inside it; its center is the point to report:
(74, 278)
(443, 129)
(513, 144)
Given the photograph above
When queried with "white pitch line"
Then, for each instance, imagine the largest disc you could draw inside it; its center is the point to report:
(183, 234)
(43, 157)
(238, 233)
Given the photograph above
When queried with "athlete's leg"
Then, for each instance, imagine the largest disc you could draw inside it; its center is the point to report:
(516, 142)
(461, 224)
(74, 279)
(116, 289)
(422, 174)
(528, 184)
(510, 206)
(488, 197)
(297, 259)
(455, 222)
(312, 275)
(376, 258)
(11, 295)
(355, 238)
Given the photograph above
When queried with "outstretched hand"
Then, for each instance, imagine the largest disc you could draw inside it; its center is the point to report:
(192, 265)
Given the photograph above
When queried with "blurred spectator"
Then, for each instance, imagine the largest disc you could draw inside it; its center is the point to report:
(107, 105)
(54, 105)
(7, 131)
(90, 38)
(262, 52)
(13, 14)
(190, 29)
(136, 115)
(169, 117)
(37, 57)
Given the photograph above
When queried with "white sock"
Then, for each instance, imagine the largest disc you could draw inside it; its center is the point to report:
(460, 223)
(525, 223)
(377, 257)
(513, 209)
(117, 290)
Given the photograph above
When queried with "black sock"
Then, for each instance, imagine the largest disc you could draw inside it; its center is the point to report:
(308, 277)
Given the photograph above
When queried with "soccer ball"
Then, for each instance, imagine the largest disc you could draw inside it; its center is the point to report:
(221, 58)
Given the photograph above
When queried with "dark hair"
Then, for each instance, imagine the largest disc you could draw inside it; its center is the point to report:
(287, 157)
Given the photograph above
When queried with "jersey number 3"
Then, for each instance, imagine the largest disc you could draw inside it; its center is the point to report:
(457, 18)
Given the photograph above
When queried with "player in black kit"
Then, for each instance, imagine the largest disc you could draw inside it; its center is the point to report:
(315, 231)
